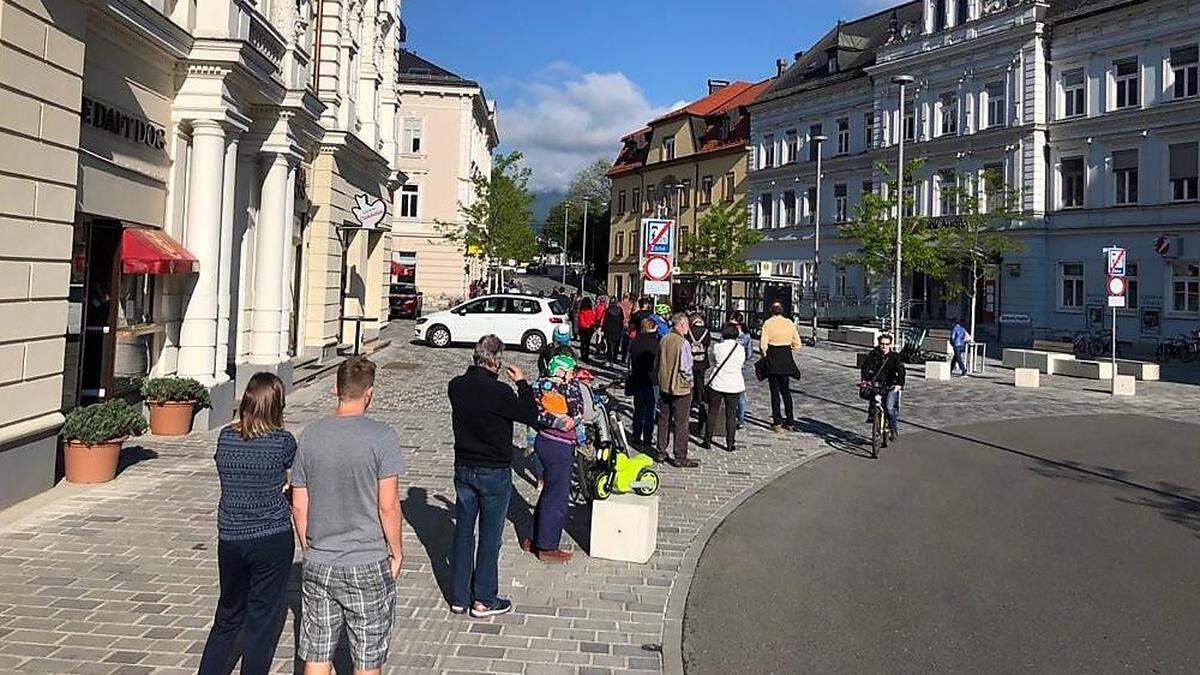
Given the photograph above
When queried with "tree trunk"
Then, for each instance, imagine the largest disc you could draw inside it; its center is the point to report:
(974, 291)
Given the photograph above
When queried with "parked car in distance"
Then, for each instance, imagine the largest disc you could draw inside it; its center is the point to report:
(404, 301)
(516, 319)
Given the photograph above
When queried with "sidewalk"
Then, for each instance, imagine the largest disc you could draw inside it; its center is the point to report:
(121, 578)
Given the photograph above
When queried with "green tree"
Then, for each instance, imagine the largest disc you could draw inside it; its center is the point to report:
(976, 238)
(590, 185)
(496, 224)
(718, 246)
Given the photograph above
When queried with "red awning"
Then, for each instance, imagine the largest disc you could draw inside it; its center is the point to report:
(150, 251)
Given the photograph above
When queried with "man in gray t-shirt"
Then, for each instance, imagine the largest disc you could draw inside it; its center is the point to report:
(347, 509)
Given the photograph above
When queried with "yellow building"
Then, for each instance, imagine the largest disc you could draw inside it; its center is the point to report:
(677, 166)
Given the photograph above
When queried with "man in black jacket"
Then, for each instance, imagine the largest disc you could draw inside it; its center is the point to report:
(884, 369)
(483, 410)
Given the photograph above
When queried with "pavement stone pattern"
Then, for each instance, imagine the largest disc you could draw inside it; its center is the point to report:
(122, 577)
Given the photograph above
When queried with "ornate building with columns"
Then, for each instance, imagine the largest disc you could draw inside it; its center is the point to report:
(197, 189)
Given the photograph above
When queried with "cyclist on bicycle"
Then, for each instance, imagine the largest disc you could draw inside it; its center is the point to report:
(884, 370)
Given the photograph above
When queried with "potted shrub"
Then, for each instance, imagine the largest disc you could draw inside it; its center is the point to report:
(94, 435)
(172, 402)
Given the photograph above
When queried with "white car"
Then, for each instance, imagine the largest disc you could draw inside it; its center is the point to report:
(516, 319)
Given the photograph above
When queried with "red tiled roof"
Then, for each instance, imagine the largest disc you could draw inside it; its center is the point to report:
(721, 100)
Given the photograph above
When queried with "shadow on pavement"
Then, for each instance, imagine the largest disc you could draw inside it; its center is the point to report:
(434, 527)
(134, 454)
(839, 439)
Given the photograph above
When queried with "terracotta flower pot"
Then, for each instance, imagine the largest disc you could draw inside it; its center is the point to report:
(92, 463)
(171, 418)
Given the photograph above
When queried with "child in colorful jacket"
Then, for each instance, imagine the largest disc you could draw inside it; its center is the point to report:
(560, 409)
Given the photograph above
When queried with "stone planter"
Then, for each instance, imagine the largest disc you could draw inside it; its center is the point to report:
(171, 418)
(91, 463)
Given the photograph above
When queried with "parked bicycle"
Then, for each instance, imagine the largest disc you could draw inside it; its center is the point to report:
(1184, 347)
(1093, 343)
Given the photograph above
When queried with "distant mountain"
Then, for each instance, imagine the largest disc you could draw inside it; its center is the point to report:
(542, 203)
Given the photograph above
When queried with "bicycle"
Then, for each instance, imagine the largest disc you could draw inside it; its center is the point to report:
(873, 394)
(1185, 347)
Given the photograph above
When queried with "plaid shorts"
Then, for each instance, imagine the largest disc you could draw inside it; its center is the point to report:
(361, 597)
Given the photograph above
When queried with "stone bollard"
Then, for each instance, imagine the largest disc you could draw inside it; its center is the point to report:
(1123, 385)
(624, 527)
(937, 370)
(1026, 377)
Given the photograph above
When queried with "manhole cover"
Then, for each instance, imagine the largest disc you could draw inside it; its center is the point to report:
(400, 365)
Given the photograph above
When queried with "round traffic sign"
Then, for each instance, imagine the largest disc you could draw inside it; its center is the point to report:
(1116, 286)
(658, 268)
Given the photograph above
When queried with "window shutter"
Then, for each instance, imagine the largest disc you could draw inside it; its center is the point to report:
(1124, 159)
(1185, 160)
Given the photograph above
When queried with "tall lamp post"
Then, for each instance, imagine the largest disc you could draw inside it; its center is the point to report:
(566, 209)
(583, 248)
(819, 139)
(902, 81)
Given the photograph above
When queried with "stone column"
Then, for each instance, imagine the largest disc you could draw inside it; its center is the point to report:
(224, 282)
(206, 182)
(266, 322)
(288, 270)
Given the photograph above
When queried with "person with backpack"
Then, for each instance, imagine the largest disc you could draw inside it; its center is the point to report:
(725, 386)
(699, 339)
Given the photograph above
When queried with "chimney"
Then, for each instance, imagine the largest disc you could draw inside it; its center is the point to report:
(715, 85)
(799, 54)
(780, 66)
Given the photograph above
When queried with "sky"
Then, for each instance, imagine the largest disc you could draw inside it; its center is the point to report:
(570, 77)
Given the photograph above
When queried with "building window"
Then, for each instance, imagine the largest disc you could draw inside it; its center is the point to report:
(962, 12)
(941, 17)
(867, 187)
(409, 195)
(839, 282)
(706, 185)
(1073, 180)
(813, 147)
(1125, 75)
(868, 130)
(1185, 287)
(1070, 277)
(768, 151)
(727, 189)
(412, 136)
(764, 210)
(947, 194)
(686, 195)
(1125, 175)
(637, 200)
(621, 202)
(912, 205)
(650, 203)
(668, 149)
(997, 112)
(619, 244)
(910, 121)
(993, 187)
(789, 208)
(1185, 71)
(949, 119)
(810, 205)
(1184, 164)
(843, 136)
(683, 239)
(1131, 285)
(1074, 93)
(841, 204)
(791, 146)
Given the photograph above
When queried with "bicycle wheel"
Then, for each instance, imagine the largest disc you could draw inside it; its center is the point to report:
(1098, 347)
(876, 431)
(1161, 353)
(1188, 352)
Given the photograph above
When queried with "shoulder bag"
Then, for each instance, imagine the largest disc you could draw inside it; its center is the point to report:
(723, 362)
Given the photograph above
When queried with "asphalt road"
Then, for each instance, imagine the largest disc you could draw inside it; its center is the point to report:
(1063, 545)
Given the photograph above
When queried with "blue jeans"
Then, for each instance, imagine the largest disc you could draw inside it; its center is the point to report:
(741, 413)
(483, 495)
(958, 359)
(644, 401)
(891, 408)
(550, 515)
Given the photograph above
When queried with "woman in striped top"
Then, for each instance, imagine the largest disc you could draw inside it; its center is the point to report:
(254, 529)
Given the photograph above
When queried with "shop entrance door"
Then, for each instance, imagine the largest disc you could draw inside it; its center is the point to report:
(91, 312)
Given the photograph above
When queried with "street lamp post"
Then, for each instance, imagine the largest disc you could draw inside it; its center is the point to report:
(566, 209)
(819, 139)
(902, 81)
(583, 251)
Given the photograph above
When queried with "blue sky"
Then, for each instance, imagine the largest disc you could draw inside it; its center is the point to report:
(571, 77)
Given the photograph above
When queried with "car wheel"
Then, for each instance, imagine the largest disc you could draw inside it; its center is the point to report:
(438, 336)
(533, 341)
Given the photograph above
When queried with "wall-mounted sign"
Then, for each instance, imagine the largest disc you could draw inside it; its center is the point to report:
(117, 122)
(368, 211)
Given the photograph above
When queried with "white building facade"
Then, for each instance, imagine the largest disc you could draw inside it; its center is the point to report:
(1075, 107)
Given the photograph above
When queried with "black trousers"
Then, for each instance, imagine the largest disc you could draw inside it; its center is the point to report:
(780, 389)
(585, 342)
(718, 401)
(612, 344)
(254, 575)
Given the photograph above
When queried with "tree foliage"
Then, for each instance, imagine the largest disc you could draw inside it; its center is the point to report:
(719, 244)
(590, 185)
(497, 223)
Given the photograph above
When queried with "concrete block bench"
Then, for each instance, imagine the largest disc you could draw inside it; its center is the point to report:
(861, 337)
(1031, 358)
(624, 527)
(937, 370)
(1092, 370)
(1026, 377)
(1147, 372)
(1123, 385)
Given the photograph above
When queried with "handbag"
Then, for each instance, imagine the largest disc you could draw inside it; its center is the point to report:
(760, 369)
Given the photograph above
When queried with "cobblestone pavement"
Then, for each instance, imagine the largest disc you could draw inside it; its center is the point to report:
(121, 578)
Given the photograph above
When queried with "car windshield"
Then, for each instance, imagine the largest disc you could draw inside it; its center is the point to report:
(559, 305)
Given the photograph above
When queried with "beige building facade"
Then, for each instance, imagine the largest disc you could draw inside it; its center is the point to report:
(678, 166)
(446, 133)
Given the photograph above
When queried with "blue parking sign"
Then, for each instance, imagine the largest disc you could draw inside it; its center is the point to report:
(659, 236)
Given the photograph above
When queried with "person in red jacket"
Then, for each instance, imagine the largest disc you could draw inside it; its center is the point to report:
(587, 327)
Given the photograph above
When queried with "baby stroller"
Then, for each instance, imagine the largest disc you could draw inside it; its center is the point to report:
(605, 464)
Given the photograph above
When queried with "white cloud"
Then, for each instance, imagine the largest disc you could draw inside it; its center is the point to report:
(565, 119)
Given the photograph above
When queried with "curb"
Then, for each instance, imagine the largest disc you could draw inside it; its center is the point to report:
(672, 648)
